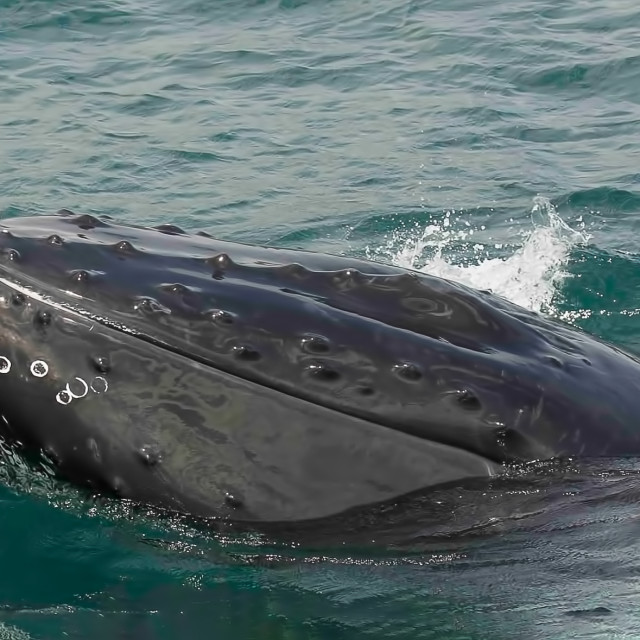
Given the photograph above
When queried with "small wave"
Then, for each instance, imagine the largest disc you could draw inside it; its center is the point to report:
(606, 199)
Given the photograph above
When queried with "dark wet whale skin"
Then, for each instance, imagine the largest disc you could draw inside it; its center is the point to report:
(263, 384)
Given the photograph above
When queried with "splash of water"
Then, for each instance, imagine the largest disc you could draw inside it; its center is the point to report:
(529, 276)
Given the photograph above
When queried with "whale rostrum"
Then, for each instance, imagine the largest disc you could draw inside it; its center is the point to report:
(265, 384)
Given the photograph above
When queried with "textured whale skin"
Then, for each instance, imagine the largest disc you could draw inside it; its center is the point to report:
(264, 384)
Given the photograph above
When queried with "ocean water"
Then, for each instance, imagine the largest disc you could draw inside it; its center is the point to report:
(495, 143)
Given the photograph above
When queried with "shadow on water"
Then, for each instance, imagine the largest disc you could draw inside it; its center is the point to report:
(545, 551)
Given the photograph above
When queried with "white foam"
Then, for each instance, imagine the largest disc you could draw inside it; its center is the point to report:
(529, 276)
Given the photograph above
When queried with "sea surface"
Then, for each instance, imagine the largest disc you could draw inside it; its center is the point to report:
(495, 143)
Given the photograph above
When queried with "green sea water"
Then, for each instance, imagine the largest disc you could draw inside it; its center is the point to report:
(495, 143)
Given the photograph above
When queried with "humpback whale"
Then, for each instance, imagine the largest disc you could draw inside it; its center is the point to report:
(258, 384)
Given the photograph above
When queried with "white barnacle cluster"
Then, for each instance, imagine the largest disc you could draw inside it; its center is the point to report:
(81, 388)
(98, 385)
(38, 368)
